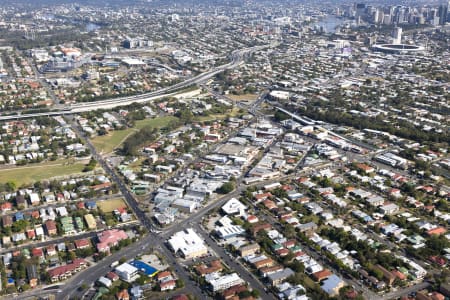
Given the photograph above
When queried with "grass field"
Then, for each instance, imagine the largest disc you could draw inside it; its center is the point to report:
(107, 143)
(244, 97)
(233, 113)
(114, 139)
(108, 206)
(37, 172)
(157, 122)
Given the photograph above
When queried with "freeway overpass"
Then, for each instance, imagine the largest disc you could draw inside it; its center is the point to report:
(237, 58)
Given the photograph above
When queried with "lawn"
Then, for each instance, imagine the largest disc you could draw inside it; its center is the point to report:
(37, 172)
(108, 206)
(213, 117)
(114, 139)
(107, 143)
(157, 122)
(244, 97)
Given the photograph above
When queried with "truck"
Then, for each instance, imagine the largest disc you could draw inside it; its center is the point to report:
(114, 264)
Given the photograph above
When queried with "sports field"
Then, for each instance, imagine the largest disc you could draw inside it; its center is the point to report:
(108, 206)
(37, 172)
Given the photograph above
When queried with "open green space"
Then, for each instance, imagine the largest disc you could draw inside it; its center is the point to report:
(107, 143)
(37, 172)
(157, 122)
(114, 139)
(108, 206)
(213, 117)
(243, 97)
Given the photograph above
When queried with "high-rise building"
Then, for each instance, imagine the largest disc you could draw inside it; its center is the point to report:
(360, 9)
(397, 36)
(443, 14)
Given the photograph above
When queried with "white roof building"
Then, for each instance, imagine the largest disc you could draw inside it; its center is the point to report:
(219, 282)
(62, 211)
(105, 281)
(225, 232)
(233, 207)
(127, 272)
(34, 198)
(188, 243)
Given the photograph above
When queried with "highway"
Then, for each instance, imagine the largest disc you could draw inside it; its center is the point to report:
(237, 57)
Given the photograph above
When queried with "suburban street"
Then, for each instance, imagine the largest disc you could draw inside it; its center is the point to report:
(233, 263)
(155, 241)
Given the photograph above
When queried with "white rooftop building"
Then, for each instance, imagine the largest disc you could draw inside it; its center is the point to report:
(127, 272)
(233, 207)
(219, 282)
(188, 244)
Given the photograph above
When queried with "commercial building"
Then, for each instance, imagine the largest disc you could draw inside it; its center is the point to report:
(144, 268)
(127, 272)
(230, 231)
(443, 14)
(233, 207)
(188, 244)
(397, 36)
(219, 283)
(185, 206)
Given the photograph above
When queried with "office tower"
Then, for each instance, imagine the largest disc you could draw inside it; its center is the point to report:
(442, 13)
(397, 36)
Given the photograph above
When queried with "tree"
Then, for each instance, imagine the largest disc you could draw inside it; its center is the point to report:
(186, 116)
(226, 188)
(180, 283)
(244, 294)
(141, 280)
(297, 266)
(122, 260)
(295, 279)
(255, 294)
(11, 186)
(289, 231)
(90, 166)
(280, 116)
(71, 255)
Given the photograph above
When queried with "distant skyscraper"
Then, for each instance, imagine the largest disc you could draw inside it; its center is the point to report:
(443, 13)
(397, 36)
(360, 9)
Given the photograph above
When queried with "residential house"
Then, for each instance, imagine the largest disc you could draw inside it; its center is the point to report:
(50, 226)
(167, 285)
(110, 238)
(123, 295)
(32, 275)
(332, 285)
(280, 276)
(82, 244)
(249, 249)
(387, 276)
(66, 271)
